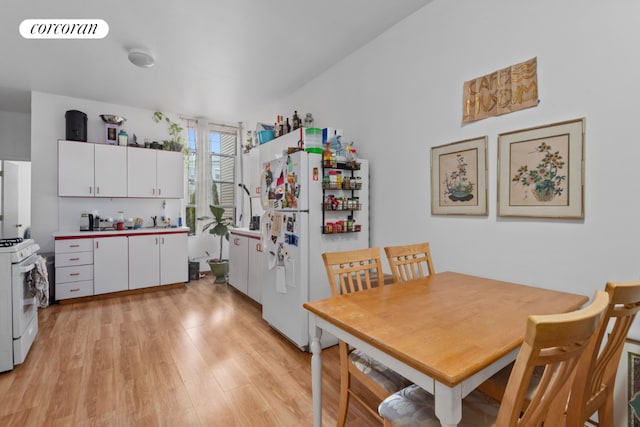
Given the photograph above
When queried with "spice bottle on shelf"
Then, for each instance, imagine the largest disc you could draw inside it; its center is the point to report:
(296, 120)
(327, 156)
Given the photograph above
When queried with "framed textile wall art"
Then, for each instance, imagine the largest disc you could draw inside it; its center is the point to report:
(459, 178)
(541, 171)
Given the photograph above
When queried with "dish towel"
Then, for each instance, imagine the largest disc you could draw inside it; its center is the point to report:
(40, 278)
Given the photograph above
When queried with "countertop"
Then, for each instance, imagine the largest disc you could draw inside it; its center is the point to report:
(129, 232)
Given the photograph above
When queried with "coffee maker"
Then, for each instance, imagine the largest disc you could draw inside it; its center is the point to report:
(89, 222)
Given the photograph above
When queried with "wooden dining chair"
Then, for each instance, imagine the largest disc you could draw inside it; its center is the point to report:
(348, 272)
(599, 365)
(598, 370)
(555, 342)
(409, 261)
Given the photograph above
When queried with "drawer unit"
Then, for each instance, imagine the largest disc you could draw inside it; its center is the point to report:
(73, 245)
(74, 258)
(76, 273)
(74, 268)
(74, 289)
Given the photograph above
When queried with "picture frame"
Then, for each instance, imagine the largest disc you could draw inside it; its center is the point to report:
(541, 171)
(459, 178)
(626, 411)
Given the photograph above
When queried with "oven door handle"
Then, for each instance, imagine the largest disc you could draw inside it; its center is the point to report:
(26, 268)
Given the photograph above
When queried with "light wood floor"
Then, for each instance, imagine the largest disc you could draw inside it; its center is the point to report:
(197, 356)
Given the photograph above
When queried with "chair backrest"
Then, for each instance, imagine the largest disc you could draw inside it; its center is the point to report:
(597, 372)
(351, 271)
(409, 261)
(555, 342)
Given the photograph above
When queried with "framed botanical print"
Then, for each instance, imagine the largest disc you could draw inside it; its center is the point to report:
(459, 178)
(541, 171)
(626, 394)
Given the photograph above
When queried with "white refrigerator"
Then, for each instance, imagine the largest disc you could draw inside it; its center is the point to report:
(294, 237)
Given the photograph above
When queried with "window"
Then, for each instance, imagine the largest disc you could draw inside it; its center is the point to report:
(210, 170)
(221, 144)
(192, 154)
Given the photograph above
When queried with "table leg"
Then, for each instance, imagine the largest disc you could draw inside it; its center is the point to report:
(448, 403)
(316, 372)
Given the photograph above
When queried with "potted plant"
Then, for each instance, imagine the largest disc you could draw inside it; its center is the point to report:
(175, 130)
(218, 227)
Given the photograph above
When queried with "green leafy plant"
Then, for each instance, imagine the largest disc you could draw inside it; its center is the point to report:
(175, 130)
(218, 226)
(545, 176)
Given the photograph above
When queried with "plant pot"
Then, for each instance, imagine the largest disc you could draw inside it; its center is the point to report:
(219, 269)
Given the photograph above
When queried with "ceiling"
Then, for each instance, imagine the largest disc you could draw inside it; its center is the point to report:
(216, 58)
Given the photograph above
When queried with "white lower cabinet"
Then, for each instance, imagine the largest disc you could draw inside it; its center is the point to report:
(144, 261)
(102, 265)
(238, 272)
(245, 265)
(254, 281)
(174, 259)
(74, 268)
(157, 259)
(110, 261)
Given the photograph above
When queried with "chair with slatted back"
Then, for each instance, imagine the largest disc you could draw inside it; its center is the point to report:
(599, 367)
(409, 261)
(348, 272)
(554, 342)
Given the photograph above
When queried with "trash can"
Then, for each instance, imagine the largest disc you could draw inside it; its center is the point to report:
(194, 270)
(51, 272)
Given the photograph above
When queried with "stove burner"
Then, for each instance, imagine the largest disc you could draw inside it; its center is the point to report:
(11, 241)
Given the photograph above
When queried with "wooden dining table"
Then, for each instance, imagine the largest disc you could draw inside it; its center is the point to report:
(447, 332)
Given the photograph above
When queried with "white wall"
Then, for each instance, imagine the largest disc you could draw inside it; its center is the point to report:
(402, 94)
(15, 136)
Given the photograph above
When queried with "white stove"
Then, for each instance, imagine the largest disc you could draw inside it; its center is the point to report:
(18, 306)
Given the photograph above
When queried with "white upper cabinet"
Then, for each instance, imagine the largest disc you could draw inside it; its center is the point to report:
(170, 174)
(141, 170)
(110, 171)
(75, 169)
(155, 173)
(91, 170)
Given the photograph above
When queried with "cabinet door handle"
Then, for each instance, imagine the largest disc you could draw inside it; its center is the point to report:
(74, 259)
(74, 274)
(153, 191)
(74, 246)
(74, 290)
(258, 247)
(159, 191)
(97, 245)
(90, 190)
(97, 190)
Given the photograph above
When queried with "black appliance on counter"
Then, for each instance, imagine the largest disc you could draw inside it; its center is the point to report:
(76, 128)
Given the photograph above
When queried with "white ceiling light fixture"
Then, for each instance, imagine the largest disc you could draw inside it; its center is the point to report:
(141, 58)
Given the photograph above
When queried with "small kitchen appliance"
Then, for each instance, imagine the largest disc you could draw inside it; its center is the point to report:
(76, 126)
(112, 125)
(86, 222)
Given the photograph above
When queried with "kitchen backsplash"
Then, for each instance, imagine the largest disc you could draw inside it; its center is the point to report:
(71, 208)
